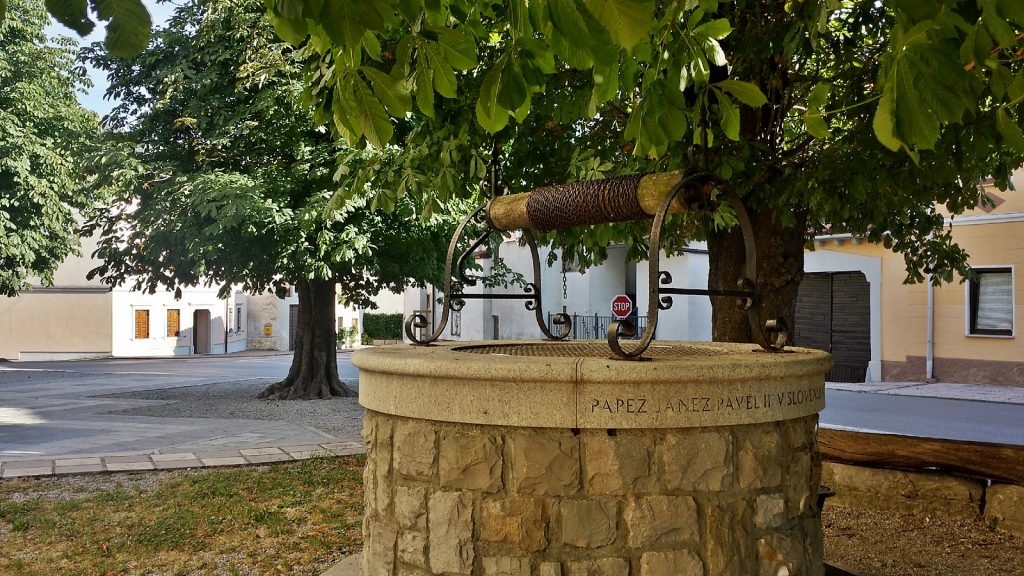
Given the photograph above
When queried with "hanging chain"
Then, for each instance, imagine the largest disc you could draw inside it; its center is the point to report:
(565, 266)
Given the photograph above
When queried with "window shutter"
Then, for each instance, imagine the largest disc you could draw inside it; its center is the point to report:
(173, 322)
(141, 324)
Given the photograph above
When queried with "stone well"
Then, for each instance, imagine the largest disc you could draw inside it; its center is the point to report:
(549, 459)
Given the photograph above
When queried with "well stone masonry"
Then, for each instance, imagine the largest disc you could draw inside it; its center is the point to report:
(446, 497)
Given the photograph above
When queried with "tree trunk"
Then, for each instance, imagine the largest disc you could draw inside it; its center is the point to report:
(780, 265)
(314, 370)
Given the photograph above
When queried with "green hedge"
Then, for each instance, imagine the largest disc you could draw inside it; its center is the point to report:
(382, 326)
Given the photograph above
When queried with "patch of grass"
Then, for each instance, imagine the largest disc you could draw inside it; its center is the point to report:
(294, 518)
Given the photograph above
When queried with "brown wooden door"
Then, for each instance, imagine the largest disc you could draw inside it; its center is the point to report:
(833, 313)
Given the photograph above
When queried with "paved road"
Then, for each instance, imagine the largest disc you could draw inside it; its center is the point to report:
(212, 368)
(51, 409)
(991, 414)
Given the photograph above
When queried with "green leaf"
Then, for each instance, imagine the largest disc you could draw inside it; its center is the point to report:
(673, 123)
(340, 19)
(392, 92)
(72, 13)
(730, 120)
(371, 45)
(459, 50)
(916, 124)
(1012, 10)
(574, 53)
(714, 52)
(606, 86)
(716, 29)
(883, 123)
(129, 27)
(816, 124)
(519, 20)
(1016, 89)
(627, 21)
(369, 116)
(745, 92)
(1000, 80)
(403, 57)
(818, 97)
(571, 40)
(292, 31)
(1009, 130)
(424, 80)
(513, 91)
(444, 77)
(996, 24)
(489, 113)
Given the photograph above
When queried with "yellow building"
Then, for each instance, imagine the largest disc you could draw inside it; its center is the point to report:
(853, 300)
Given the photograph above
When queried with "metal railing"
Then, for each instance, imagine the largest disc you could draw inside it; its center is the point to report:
(595, 327)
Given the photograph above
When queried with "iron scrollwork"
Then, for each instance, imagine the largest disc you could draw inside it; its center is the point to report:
(771, 335)
(457, 279)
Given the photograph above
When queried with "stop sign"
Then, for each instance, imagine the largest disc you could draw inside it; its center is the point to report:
(622, 306)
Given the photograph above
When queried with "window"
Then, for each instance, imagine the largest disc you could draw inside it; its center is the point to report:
(141, 324)
(238, 319)
(456, 325)
(173, 322)
(990, 305)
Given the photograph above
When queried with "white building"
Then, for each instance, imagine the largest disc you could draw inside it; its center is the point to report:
(80, 318)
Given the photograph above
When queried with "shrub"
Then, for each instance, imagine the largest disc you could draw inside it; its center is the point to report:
(382, 326)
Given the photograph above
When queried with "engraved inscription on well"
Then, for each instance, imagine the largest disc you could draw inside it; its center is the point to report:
(663, 406)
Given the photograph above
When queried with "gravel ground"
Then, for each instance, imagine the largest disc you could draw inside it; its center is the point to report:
(341, 417)
(886, 543)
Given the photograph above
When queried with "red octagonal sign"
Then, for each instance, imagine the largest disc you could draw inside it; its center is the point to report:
(622, 306)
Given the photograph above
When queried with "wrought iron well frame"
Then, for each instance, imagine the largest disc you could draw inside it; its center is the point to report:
(770, 334)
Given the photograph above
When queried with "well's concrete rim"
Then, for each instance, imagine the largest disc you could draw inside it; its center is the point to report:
(730, 384)
(718, 361)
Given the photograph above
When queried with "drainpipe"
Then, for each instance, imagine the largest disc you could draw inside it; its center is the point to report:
(929, 357)
(227, 307)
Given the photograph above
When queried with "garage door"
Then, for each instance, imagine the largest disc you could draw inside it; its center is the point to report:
(833, 313)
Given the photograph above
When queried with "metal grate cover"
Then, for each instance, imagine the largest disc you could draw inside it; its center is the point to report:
(595, 349)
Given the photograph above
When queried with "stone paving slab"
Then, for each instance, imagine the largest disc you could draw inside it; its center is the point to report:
(175, 457)
(260, 451)
(176, 464)
(174, 460)
(22, 472)
(83, 469)
(268, 458)
(77, 461)
(129, 466)
(974, 392)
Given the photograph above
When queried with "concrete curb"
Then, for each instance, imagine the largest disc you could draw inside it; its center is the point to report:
(61, 466)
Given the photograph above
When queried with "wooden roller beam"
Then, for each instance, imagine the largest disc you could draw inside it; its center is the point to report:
(999, 462)
(594, 202)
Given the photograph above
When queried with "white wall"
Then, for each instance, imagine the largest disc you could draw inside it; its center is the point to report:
(126, 302)
(689, 318)
(238, 321)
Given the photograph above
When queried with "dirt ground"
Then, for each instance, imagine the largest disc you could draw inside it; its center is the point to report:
(881, 543)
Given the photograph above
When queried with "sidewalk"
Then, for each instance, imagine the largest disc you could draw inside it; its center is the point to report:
(972, 392)
(82, 464)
